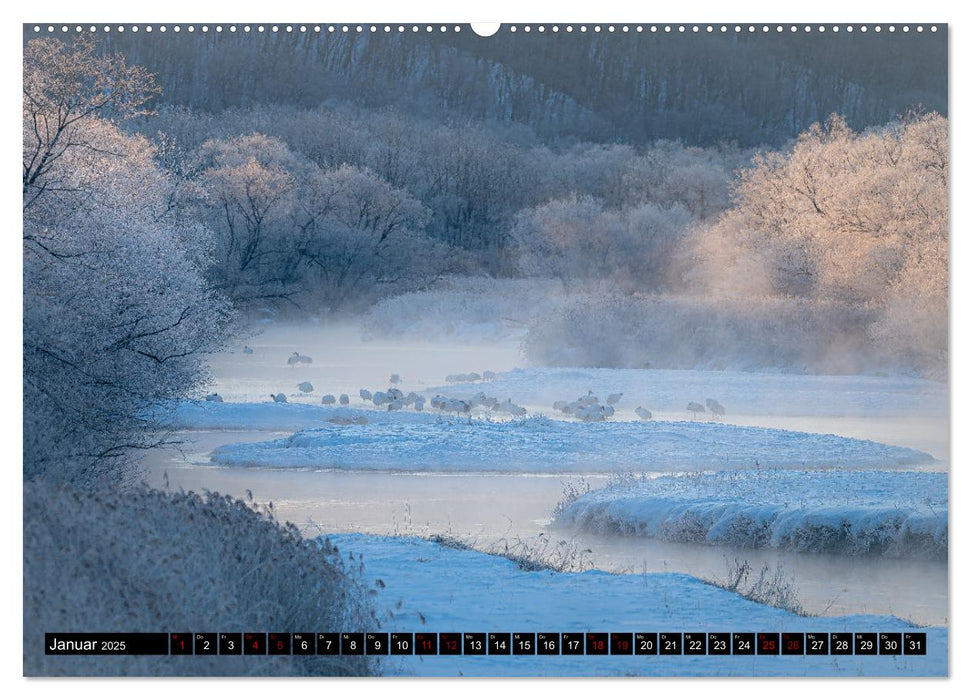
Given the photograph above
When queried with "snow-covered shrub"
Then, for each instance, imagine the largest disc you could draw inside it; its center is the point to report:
(284, 228)
(888, 531)
(688, 526)
(821, 535)
(149, 561)
(774, 587)
(572, 490)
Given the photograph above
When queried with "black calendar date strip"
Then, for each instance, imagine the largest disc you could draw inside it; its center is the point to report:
(488, 643)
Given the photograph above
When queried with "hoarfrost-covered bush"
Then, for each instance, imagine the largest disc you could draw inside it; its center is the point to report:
(245, 193)
(149, 561)
(362, 237)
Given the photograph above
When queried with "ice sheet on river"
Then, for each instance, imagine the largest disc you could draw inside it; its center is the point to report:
(834, 512)
(427, 442)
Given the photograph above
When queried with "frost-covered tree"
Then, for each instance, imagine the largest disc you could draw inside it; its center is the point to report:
(286, 228)
(117, 312)
(655, 236)
(571, 239)
(359, 232)
(851, 218)
(247, 192)
(64, 90)
(474, 185)
(578, 239)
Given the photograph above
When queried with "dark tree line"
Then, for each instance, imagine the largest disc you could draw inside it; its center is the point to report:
(752, 88)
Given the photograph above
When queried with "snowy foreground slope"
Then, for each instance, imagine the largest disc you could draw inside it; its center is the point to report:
(431, 588)
(837, 512)
(426, 442)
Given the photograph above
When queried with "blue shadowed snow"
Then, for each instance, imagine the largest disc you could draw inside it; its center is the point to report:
(431, 588)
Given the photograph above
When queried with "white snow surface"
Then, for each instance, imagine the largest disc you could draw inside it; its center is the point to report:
(433, 442)
(431, 588)
(898, 513)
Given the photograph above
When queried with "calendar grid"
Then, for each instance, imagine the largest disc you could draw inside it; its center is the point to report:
(893, 643)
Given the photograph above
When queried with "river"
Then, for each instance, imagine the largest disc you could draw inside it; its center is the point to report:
(496, 510)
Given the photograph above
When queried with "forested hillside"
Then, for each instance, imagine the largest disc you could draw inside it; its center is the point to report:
(751, 88)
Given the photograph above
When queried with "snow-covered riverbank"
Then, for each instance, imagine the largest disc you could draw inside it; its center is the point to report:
(835, 512)
(426, 587)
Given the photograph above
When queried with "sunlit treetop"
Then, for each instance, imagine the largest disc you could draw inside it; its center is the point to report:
(63, 87)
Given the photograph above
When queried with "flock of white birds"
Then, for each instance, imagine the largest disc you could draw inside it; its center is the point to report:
(587, 409)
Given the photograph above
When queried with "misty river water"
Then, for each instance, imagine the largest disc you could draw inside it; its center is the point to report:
(504, 509)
